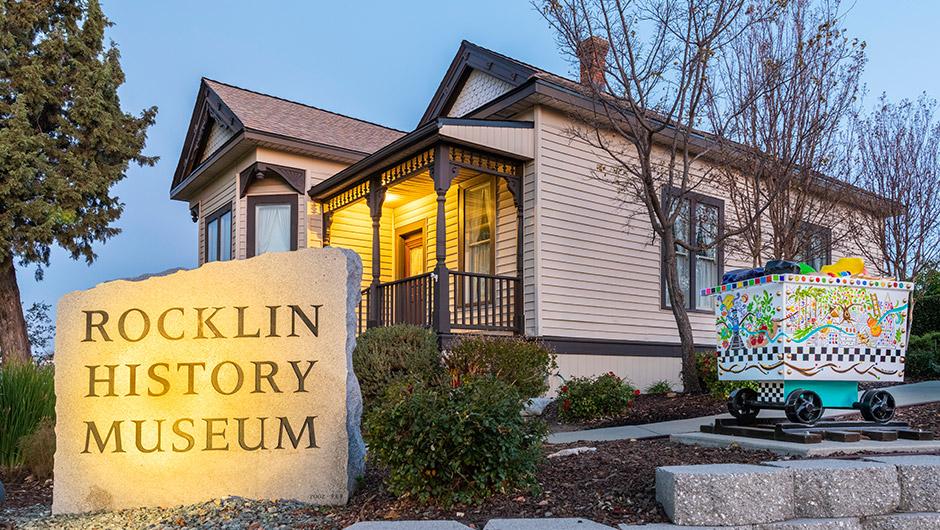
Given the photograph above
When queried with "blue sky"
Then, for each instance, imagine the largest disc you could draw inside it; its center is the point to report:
(375, 60)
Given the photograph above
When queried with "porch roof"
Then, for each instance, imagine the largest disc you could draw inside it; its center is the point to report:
(506, 138)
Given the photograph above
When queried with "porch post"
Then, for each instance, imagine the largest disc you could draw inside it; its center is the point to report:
(515, 189)
(375, 200)
(327, 225)
(442, 173)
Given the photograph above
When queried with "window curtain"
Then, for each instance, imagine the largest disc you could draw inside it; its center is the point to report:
(479, 236)
(681, 230)
(212, 240)
(272, 228)
(225, 236)
(706, 261)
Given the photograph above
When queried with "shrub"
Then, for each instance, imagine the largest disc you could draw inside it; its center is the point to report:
(27, 396)
(659, 387)
(586, 398)
(38, 449)
(521, 364)
(706, 363)
(387, 354)
(452, 445)
(923, 357)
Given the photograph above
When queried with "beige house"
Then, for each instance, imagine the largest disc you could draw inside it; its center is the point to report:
(485, 218)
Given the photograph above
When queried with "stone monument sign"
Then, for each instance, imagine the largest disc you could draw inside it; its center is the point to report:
(231, 379)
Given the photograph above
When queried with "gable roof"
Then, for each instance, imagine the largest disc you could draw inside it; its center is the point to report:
(262, 117)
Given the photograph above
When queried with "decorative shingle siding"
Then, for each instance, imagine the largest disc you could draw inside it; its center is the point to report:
(218, 135)
(479, 89)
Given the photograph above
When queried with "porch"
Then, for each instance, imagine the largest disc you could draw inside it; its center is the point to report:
(438, 224)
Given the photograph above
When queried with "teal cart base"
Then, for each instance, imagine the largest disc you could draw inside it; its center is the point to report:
(806, 401)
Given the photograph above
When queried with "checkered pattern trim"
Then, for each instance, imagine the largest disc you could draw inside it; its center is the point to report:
(740, 355)
(815, 353)
(771, 392)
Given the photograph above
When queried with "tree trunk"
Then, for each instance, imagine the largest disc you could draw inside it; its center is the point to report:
(14, 343)
(678, 302)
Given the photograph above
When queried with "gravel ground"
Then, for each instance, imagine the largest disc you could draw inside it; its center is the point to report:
(232, 513)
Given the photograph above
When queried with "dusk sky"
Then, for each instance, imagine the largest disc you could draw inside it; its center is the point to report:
(375, 60)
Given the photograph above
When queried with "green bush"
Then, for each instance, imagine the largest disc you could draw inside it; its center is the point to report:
(38, 449)
(706, 363)
(27, 396)
(388, 354)
(587, 398)
(923, 357)
(446, 445)
(521, 364)
(659, 387)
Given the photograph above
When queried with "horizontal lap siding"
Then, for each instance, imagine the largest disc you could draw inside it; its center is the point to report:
(529, 246)
(599, 268)
(505, 231)
(352, 228)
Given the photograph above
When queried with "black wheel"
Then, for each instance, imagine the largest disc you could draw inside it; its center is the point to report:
(804, 406)
(741, 405)
(877, 406)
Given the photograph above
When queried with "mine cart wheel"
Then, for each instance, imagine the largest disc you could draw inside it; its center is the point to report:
(741, 405)
(877, 405)
(804, 406)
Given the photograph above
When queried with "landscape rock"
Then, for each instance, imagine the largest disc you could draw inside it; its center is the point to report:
(845, 523)
(919, 478)
(572, 451)
(842, 488)
(235, 378)
(725, 494)
(536, 406)
(903, 521)
(545, 524)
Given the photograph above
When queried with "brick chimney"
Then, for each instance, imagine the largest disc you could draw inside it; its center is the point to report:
(592, 53)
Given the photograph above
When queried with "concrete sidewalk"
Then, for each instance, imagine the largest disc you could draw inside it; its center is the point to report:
(904, 395)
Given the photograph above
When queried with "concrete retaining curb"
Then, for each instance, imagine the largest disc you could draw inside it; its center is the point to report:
(841, 488)
(725, 494)
(545, 524)
(919, 479)
(903, 521)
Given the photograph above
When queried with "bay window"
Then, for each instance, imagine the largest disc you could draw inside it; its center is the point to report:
(219, 235)
(272, 223)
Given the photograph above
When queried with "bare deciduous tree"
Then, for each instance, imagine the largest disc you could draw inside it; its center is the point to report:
(898, 158)
(795, 81)
(650, 107)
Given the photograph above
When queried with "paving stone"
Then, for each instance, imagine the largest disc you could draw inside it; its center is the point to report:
(919, 477)
(725, 494)
(667, 526)
(903, 521)
(845, 523)
(545, 524)
(842, 488)
(408, 525)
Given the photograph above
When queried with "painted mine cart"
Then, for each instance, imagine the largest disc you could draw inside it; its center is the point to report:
(808, 340)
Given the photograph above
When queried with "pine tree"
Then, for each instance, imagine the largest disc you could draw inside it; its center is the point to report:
(64, 142)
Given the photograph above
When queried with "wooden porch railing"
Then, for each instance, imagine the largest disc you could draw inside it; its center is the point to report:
(484, 302)
(478, 302)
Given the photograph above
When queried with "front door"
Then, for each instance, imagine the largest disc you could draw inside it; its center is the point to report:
(411, 297)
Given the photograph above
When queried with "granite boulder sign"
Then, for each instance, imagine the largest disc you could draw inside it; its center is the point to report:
(231, 379)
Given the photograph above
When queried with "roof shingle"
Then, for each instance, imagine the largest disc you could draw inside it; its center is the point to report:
(270, 114)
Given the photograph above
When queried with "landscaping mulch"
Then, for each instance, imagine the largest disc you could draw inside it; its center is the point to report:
(615, 484)
(646, 408)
